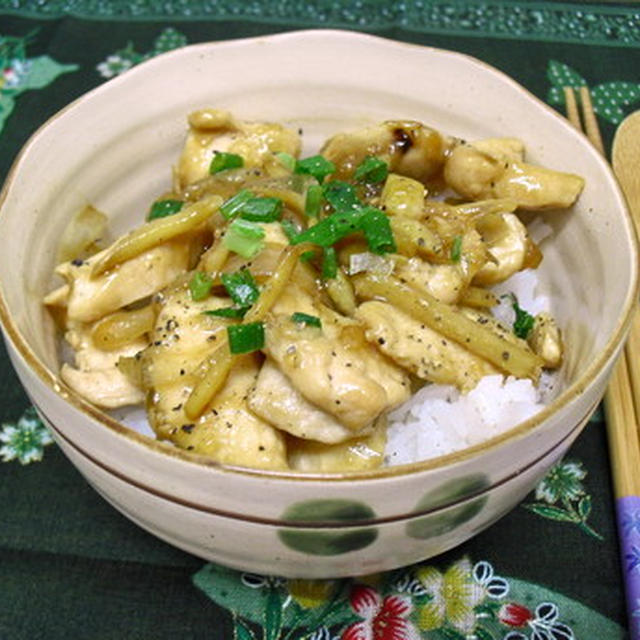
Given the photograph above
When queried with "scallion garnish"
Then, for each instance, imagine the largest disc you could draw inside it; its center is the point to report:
(200, 285)
(317, 166)
(222, 161)
(286, 160)
(307, 256)
(290, 229)
(231, 207)
(330, 229)
(245, 338)
(241, 287)
(456, 249)
(377, 231)
(329, 263)
(341, 195)
(244, 237)
(304, 318)
(261, 209)
(164, 208)
(313, 201)
(524, 321)
(227, 312)
(371, 169)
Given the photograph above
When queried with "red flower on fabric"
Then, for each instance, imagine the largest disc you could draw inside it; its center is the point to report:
(382, 619)
(514, 615)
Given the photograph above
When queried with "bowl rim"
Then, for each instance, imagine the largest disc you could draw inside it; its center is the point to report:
(583, 381)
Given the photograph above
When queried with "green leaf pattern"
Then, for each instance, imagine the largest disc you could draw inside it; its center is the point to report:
(608, 98)
(18, 73)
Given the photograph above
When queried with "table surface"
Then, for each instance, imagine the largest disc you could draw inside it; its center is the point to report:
(73, 567)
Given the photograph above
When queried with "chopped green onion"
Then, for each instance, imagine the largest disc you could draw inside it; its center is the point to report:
(329, 263)
(313, 201)
(262, 209)
(231, 207)
(456, 249)
(304, 318)
(341, 195)
(290, 229)
(245, 338)
(524, 321)
(222, 161)
(371, 169)
(340, 224)
(244, 237)
(164, 208)
(307, 256)
(241, 287)
(330, 229)
(227, 312)
(286, 160)
(317, 166)
(377, 231)
(200, 285)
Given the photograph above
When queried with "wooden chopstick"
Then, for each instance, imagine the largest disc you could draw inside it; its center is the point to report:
(622, 406)
(622, 397)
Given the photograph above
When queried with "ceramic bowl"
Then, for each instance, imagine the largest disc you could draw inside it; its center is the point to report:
(114, 148)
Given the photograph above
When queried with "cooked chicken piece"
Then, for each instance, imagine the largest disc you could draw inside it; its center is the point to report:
(511, 149)
(88, 299)
(546, 341)
(443, 281)
(508, 242)
(212, 130)
(333, 367)
(419, 349)
(95, 375)
(277, 401)
(410, 149)
(228, 431)
(359, 454)
(446, 282)
(478, 174)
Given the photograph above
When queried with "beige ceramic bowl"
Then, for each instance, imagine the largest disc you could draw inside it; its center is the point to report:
(114, 148)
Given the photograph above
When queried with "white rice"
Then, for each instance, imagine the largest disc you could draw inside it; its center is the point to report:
(438, 419)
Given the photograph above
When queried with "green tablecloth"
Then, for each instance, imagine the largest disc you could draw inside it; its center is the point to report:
(72, 567)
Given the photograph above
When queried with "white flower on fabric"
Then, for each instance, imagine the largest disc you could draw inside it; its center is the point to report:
(114, 65)
(25, 440)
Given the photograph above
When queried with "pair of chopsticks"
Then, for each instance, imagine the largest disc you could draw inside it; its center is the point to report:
(622, 397)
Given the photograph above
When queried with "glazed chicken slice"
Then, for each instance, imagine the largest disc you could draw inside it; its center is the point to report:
(491, 169)
(95, 374)
(89, 298)
(419, 349)
(183, 340)
(410, 149)
(275, 399)
(212, 130)
(365, 451)
(333, 367)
